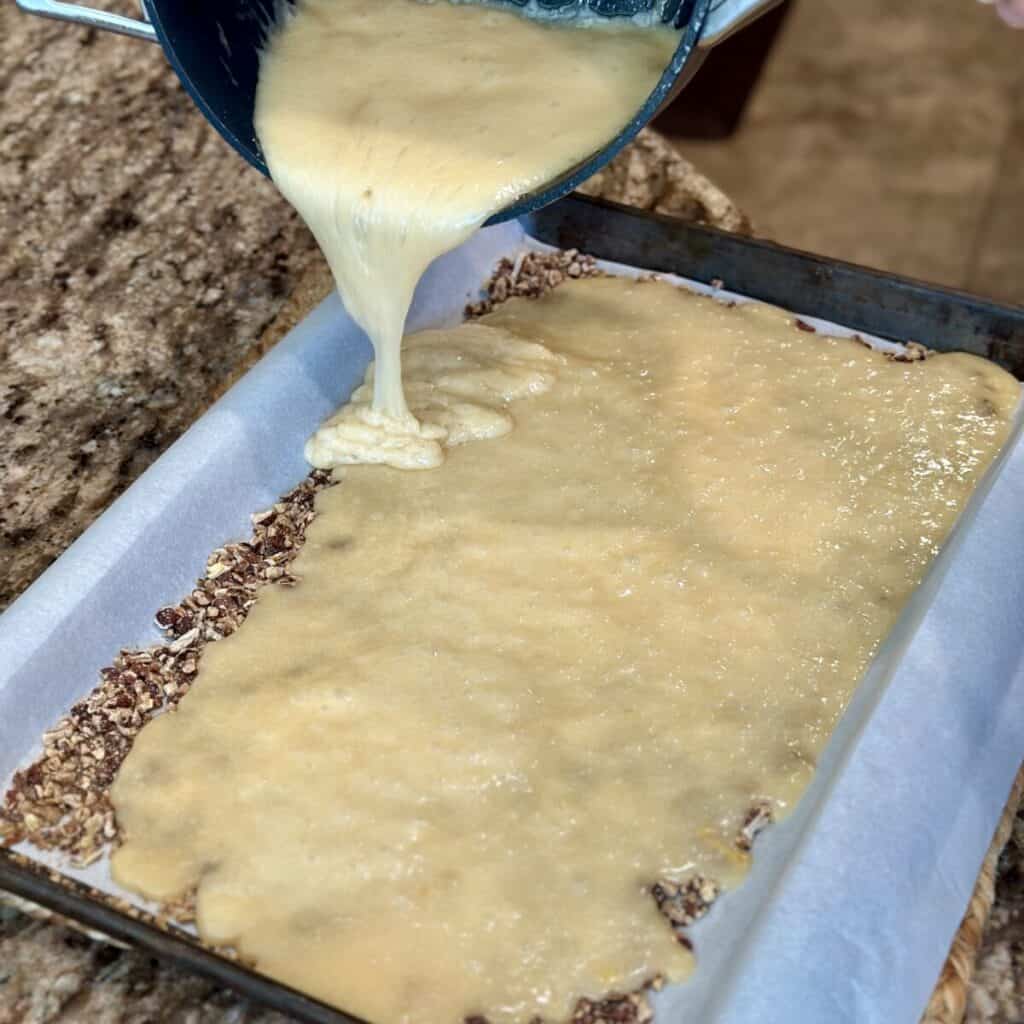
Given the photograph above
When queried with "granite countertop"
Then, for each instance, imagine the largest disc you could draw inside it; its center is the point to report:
(142, 264)
(145, 268)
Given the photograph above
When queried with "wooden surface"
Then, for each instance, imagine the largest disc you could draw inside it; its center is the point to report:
(890, 134)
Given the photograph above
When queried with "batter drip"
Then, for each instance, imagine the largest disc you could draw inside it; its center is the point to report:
(396, 128)
(438, 777)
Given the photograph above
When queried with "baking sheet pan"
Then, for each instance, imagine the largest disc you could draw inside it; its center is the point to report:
(852, 902)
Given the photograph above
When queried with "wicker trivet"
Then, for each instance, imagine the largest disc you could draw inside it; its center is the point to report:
(949, 1000)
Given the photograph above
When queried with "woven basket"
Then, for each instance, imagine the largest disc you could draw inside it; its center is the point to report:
(949, 1000)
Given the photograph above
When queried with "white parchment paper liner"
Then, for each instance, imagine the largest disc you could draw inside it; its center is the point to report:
(852, 902)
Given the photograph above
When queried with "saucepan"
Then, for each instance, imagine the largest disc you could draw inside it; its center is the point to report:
(213, 45)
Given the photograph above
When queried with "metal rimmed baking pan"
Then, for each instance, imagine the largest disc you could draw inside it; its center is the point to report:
(852, 901)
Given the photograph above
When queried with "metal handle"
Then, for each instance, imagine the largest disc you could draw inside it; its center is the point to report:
(94, 19)
(724, 18)
(728, 16)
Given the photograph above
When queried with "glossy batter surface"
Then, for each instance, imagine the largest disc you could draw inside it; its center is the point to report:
(397, 127)
(437, 777)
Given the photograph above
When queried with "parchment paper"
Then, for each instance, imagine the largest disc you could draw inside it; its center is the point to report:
(852, 902)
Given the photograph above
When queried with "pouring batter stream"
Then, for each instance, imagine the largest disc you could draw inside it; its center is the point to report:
(396, 128)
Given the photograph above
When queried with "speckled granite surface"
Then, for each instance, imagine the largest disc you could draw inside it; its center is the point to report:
(140, 269)
(51, 974)
(141, 262)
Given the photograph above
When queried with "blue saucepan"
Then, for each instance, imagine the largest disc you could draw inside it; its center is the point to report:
(213, 45)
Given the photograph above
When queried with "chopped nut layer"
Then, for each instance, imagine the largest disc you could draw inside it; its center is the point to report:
(532, 274)
(60, 801)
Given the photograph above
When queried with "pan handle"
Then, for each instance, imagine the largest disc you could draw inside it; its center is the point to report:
(728, 16)
(725, 18)
(94, 19)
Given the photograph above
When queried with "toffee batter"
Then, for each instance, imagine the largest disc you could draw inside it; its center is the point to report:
(397, 127)
(438, 776)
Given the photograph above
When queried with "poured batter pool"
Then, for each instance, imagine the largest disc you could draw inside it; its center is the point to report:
(438, 777)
